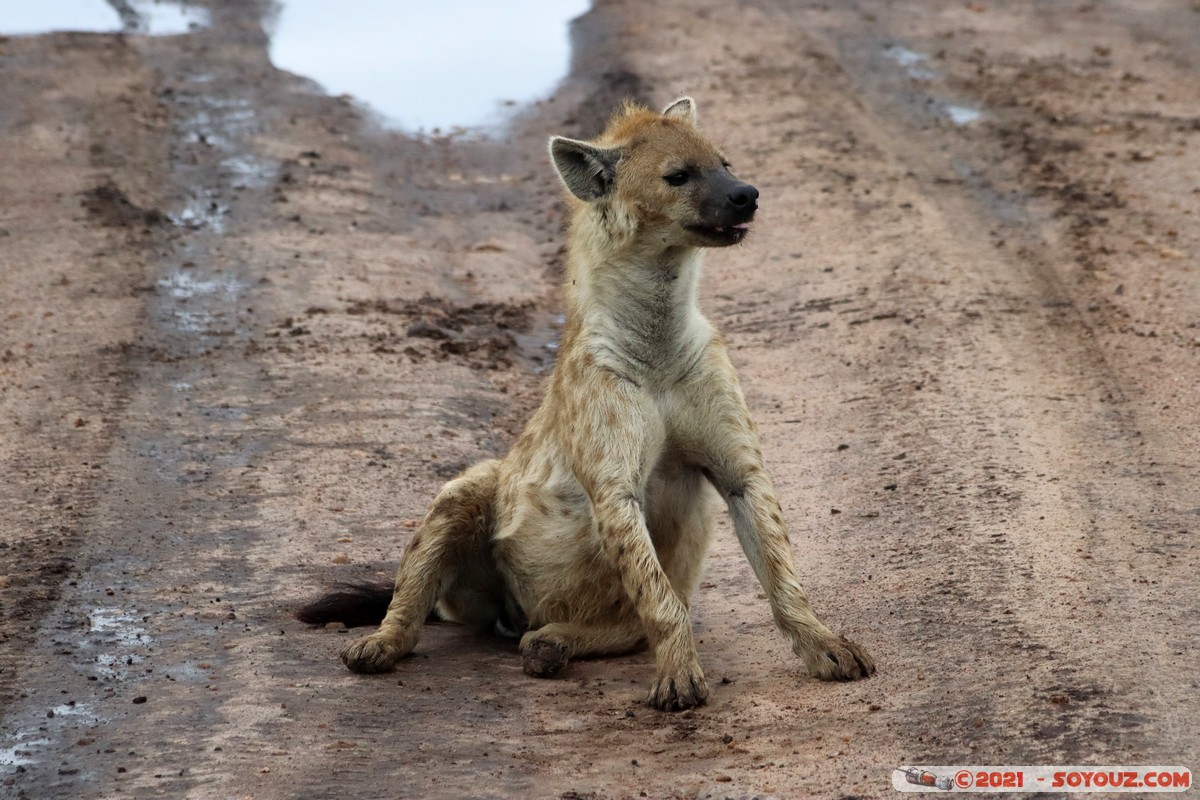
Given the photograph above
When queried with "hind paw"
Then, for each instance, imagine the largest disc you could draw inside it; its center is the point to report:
(543, 658)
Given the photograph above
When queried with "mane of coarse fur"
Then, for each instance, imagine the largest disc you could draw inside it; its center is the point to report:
(626, 122)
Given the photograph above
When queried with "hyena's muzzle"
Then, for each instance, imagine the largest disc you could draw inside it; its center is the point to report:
(725, 209)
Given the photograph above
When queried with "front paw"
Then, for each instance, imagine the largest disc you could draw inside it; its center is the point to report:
(375, 653)
(678, 692)
(839, 660)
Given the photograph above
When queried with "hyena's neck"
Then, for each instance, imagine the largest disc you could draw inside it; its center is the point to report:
(635, 303)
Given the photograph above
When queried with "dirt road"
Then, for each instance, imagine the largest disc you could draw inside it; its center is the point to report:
(246, 334)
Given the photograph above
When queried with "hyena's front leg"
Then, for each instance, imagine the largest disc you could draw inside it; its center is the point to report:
(734, 465)
(613, 445)
(758, 522)
(455, 529)
(680, 682)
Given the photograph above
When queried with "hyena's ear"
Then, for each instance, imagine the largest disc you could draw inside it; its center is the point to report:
(684, 108)
(588, 171)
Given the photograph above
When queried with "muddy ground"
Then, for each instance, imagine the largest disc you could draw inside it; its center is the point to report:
(247, 333)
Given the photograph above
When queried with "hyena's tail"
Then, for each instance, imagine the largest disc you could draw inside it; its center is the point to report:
(354, 604)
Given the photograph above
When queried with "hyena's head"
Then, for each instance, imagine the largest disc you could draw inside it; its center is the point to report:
(656, 176)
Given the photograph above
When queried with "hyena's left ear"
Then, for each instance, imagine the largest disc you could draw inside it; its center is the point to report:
(587, 170)
(684, 108)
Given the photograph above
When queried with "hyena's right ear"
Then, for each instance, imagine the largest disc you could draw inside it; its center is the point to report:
(588, 171)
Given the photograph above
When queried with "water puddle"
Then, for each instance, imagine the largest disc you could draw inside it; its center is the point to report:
(83, 710)
(182, 288)
(158, 18)
(962, 115)
(202, 212)
(455, 64)
(182, 285)
(22, 753)
(222, 125)
(117, 626)
(117, 635)
(915, 66)
(148, 17)
(913, 63)
(114, 635)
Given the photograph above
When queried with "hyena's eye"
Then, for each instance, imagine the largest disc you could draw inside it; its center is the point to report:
(677, 178)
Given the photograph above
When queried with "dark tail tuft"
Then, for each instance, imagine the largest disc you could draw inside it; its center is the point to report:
(352, 604)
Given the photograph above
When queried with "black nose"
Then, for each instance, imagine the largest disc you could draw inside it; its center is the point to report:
(743, 196)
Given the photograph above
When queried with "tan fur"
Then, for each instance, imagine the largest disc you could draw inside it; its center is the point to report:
(592, 532)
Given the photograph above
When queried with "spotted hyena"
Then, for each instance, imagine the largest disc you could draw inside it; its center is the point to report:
(588, 538)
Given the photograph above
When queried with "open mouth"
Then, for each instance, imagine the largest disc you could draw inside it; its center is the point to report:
(724, 234)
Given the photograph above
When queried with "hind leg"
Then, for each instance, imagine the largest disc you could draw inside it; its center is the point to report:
(547, 650)
(448, 548)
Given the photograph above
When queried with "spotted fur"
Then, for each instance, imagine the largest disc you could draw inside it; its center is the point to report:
(590, 535)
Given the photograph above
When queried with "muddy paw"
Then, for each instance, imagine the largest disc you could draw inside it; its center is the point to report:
(374, 653)
(543, 658)
(678, 692)
(840, 660)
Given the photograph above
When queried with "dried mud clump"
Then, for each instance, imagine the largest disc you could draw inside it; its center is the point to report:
(484, 334)
(108, 205)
